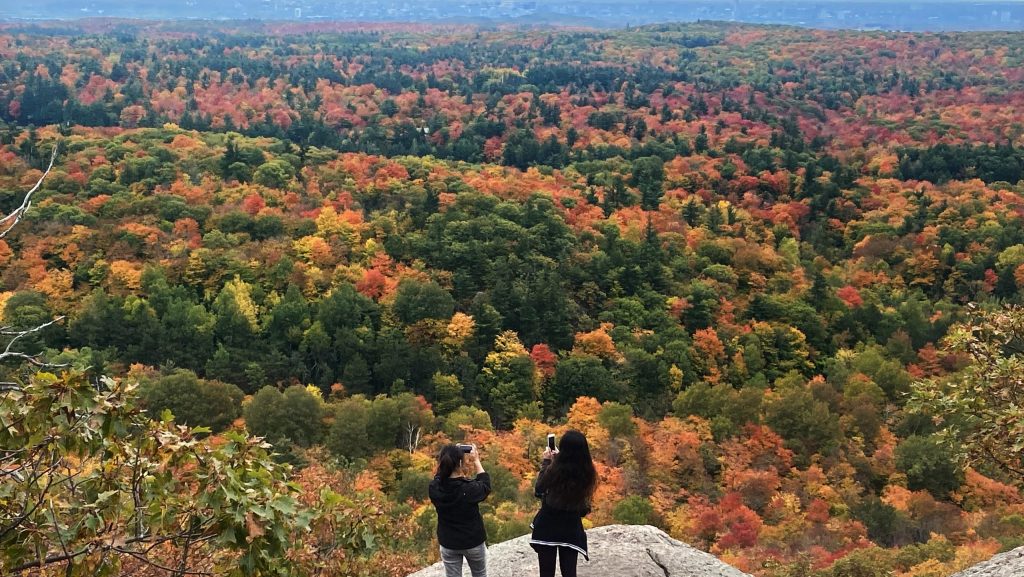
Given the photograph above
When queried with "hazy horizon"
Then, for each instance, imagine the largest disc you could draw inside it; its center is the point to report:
(929, 15)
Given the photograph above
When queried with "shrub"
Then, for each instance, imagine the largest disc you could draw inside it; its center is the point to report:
(634, 510)
(929, 465)
(290, 416)
(193, 401)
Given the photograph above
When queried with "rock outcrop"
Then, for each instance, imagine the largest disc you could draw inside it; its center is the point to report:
(1009, 564)
(615, 551)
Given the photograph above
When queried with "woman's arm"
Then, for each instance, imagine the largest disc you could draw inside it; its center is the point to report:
(478, 489)
(538, 487)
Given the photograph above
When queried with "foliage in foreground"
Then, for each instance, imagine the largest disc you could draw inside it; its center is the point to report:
(85, 477)
(982, 406)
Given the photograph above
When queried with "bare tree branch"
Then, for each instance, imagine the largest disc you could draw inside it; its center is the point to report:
(27, 512)
(7, 351)
(17, 214)
(40, 563)
(8, 223)
(152, 563)
(7, 386)
(31, 359)
(123, 549)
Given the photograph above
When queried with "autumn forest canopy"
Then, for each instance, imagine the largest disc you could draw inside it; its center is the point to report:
(726, 253)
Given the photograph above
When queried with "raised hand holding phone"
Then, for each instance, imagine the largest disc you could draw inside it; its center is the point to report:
(550, 451)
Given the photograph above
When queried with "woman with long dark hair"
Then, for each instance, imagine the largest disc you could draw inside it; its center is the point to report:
(456, 497)
(565, 486)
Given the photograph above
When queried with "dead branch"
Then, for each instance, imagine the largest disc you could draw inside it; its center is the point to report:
(17, 214)
(31, 359)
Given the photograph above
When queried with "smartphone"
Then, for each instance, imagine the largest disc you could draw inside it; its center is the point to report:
(551, 441)
(465, 448)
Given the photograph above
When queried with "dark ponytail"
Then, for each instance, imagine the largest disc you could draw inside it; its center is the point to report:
(448, 460)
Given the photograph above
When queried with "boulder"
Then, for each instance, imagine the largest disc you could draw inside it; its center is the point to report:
(1009, 564)
(615, 551)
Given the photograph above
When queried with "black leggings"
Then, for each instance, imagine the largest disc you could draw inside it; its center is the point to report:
(566, 560)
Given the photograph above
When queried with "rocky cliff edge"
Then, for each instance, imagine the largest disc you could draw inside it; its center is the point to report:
(615, 551)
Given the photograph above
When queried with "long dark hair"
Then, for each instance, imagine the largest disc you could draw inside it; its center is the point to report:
(448, 460)
(570, 481)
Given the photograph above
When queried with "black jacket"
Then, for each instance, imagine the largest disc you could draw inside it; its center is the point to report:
(459, 523)
(554, 526)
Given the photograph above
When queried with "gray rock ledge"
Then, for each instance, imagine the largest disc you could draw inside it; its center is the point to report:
(615, 551)
(1009, 564)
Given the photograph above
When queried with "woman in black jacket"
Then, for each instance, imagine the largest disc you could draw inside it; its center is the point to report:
(460, 527)
(565, 485)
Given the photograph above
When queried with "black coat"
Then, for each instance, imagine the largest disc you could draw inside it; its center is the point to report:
(457, 500)
(555, 527)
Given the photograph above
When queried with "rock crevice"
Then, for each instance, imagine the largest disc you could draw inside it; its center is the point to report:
(658, 562)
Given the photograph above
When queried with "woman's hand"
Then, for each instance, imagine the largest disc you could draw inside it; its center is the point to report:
(474, 459)
(549, 454)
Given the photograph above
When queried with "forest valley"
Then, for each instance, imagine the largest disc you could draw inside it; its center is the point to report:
(765, 270)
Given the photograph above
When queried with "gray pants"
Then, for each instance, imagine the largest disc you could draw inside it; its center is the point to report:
(476, 557)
